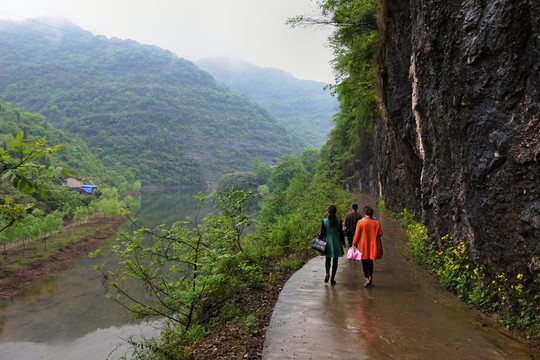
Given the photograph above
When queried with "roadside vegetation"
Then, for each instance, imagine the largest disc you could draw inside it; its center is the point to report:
(215, 280)
(511, 299)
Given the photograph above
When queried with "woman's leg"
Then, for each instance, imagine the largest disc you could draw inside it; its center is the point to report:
(327, 267)
(334, 269)
(370, 270)
(367, 266)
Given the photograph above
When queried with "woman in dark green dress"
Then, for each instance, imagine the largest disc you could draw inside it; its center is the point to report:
(332, 233)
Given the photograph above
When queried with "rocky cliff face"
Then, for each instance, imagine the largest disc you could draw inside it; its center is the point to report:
(459, 142)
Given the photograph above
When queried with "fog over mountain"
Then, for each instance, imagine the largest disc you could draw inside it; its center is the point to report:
(303, 107)
(140, 108)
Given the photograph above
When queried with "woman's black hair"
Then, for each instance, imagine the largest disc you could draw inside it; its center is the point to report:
(332, 218)
(368, 211)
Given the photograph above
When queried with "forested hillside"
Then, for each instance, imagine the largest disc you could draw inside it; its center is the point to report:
(139, 108)
(303, 107)
(45, 213)
(74, 155)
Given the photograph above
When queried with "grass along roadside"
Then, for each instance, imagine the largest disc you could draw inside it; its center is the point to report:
(511, 299)
(238, 330)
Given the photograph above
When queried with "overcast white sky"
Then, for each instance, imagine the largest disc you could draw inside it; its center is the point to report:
(252, 30)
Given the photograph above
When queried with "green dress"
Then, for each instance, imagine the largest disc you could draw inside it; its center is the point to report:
(334, 238)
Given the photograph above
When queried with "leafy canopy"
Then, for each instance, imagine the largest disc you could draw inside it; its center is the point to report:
(355, 43)
(17, 165)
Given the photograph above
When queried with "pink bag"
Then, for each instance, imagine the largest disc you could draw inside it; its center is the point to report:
(354, 254)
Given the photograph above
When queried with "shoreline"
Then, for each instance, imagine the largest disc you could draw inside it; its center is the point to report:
(14, 282)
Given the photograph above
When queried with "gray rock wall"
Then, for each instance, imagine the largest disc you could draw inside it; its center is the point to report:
(459, 143)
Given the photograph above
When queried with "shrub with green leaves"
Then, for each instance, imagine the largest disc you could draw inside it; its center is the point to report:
(182, 268)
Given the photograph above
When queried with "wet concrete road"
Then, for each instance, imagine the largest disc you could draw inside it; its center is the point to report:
(405, 315)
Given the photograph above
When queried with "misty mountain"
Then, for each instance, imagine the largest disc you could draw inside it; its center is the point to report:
(138, 107)
(303, 107)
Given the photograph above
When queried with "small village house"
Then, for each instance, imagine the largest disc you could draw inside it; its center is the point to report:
(76, 184)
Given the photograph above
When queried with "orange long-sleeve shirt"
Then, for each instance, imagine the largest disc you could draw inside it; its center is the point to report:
(366, 238)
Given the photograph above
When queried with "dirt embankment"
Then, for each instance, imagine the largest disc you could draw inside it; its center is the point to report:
(15, 281)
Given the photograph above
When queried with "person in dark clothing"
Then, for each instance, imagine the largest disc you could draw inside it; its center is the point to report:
(351, 219)
(332, 233)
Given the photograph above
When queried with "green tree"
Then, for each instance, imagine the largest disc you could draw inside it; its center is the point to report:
(285, 171)
(355, 43)
(51, 223)
(81, 213)
(264, 171)
(238, 180)
(18, 165)
(256, 164)
(109, 193)
(263, 189)
(136, 186)
(108, 207)
(180, 268)
(309, 158)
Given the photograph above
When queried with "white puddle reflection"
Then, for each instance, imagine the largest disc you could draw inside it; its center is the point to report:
(100, 344)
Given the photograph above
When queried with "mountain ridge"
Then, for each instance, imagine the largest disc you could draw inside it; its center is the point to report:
(303, 107)
(140, 107)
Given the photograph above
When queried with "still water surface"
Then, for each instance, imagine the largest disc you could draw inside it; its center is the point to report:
(67, 316)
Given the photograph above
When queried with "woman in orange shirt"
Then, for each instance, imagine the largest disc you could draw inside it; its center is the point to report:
(367, 240)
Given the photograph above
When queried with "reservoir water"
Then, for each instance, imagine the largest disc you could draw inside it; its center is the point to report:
(67, 316)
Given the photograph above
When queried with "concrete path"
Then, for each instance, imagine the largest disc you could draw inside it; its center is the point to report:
(405, 315)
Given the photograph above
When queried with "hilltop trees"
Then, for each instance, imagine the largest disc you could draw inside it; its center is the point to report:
(133, 104)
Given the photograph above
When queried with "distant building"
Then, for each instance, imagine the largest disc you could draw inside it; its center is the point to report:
(90, 188)
(73, 182)
(76, 185)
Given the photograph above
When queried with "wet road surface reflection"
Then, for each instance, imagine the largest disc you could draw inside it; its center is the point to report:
(405, 315)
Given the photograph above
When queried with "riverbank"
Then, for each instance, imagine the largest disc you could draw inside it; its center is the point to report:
(231, 341)
(242, 340)
(23, 264)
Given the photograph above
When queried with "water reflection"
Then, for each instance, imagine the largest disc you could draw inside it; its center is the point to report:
(60, 312)
(170, 205)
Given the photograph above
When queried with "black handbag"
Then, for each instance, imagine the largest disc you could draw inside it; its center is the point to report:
(318, 244)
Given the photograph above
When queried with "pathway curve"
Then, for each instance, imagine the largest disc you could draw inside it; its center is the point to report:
(405, 315)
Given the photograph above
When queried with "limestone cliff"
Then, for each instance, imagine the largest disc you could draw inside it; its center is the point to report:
(459, 141)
